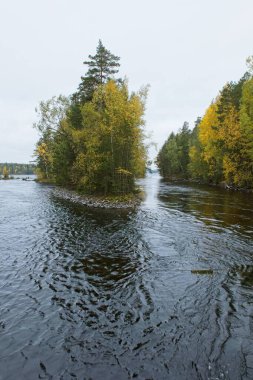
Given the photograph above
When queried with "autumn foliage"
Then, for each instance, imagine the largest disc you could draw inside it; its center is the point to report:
(94, 141)
(220, 147)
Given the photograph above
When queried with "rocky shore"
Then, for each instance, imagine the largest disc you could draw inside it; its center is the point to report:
(97, 201)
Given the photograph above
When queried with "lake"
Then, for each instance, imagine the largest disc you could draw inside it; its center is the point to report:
(161, 292)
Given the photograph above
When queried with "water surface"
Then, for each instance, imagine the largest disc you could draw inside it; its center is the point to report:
(162, 292)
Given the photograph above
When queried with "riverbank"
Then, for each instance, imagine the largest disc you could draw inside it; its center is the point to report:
(221, 185)
(109, 202)
(17, 178)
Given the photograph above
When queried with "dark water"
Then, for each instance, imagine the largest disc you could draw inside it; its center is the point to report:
(100, 294)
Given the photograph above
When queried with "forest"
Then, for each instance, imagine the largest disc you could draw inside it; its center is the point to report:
(220, 146)
(93, 140)
(17, 169)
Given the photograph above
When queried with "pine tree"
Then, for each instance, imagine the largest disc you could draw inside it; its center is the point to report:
(101, 67)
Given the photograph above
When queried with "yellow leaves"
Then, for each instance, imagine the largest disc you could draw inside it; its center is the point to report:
(112, 138)
(229, 133)
(223, 146)
(41, 149)
(45, 159)
(235, 170)
(115, 106)
(229, 168)
(208, 125)
(103, 144)
(123, 172)
(5, 173)
(224, 134)
(119, 110)
(44, 153)
(209, 137)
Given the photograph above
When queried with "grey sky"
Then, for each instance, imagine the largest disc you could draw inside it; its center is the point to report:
(185, 49)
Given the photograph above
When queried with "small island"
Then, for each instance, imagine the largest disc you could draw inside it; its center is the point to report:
(92, 142)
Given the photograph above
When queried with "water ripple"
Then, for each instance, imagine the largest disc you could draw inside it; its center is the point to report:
(163, 292)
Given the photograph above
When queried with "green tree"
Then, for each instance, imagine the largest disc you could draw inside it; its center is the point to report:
(63, 154)
(168, 158)
(50, 115)
(230, 96)
(173, 158)
(103, 65)
(183, 141)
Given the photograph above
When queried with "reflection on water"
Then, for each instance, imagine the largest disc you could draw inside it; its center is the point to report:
(161, 292)
(214, 207)
(152, 184)
(245, 274)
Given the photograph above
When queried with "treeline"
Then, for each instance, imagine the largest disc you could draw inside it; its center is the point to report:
(220, 147)
(17, 169)
(93, 140)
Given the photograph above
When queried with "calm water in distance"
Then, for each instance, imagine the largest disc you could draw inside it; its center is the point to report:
(162, 292)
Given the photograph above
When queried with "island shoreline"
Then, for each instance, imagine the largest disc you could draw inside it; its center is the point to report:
(95, 201)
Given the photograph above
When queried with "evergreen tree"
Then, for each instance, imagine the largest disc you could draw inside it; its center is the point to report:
(173, 158)
(230, 96)
(168, 158)
(101, 67)
(183, 140)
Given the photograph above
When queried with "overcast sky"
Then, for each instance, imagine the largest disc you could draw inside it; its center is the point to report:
(185, 49)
